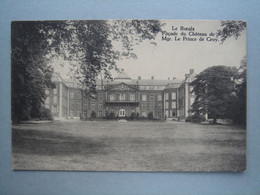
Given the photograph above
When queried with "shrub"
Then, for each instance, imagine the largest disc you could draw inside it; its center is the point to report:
(197, 118)
(188, 119)
(112, 115)
(93, 114)
(45, 114)
(133, 116)
(150, 115)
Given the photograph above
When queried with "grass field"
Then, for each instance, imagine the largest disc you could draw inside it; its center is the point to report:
(128, 146)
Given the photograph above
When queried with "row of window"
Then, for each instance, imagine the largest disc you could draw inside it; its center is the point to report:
(144, 106)
(122, 97)
(170, 113)
(173, 105)
(144, 97)
(151, 87)
(152, 106)
(173, 96)
(93, 106)
(141, 87)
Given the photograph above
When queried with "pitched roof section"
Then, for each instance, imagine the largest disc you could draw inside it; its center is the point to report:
(122, 87)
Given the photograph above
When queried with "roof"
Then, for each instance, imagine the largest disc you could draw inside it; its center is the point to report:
(156, 82)
(141, 82)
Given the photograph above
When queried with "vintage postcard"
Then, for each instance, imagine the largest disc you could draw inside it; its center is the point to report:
(128, 95)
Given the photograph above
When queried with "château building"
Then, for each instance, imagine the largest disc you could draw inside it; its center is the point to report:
(171, 98)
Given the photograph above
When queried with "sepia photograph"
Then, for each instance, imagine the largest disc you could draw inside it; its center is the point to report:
(129, 95)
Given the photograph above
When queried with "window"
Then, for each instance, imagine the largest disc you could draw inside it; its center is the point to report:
(78, 95)
(144, 106)
(55, 91)
(121, 113)
(132, 97)
(71, 95)
(144, 98)
(181, 102)
(173, 96)
(100, 114)
(166, 113)
(55, 109)
(181, 94)
(159, 106)
(78, 105)
(151, 105)
(78, 113)
(71, 112)
(181, 112)
(100, 106)
(47, 91)
(93, 106)
(173, 104)
(100, 97)
(85, 106)
(122, 97)
(151, 97)
(55, 99)
(112, 97)
(167, 96)
(167, 105)
(159, 97)
(173, 114)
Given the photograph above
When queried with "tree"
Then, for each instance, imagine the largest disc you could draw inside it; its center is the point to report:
(214, 89)
(239, 114)
(86, 45)
(234, 29)
(30, 72)
(231, 28)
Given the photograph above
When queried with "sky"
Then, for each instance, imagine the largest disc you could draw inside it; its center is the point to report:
(172, 58)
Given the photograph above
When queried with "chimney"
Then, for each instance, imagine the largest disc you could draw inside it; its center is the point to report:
(139, 77)
(191, 71)
(152, 77)
(173, 78)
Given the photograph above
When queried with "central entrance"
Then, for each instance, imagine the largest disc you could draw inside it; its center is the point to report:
(121, 113)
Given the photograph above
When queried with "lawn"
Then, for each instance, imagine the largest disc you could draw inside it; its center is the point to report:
(128, 146)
